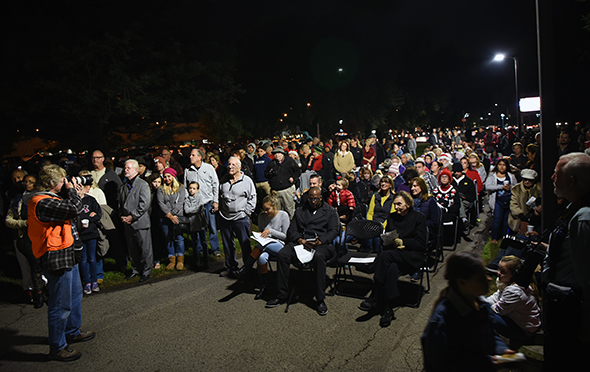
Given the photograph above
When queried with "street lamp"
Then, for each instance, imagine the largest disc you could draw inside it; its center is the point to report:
(501, 57)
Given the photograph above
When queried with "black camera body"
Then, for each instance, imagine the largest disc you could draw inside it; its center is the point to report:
(532, 256)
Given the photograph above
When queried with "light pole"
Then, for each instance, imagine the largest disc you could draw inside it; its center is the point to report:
(501, 57)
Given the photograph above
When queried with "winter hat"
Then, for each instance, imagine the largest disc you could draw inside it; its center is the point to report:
(170, 171)
(528, 174)
(447, 172)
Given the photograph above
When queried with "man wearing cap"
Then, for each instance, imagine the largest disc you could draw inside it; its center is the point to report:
(204, 174)
(134, 203)
(525, 205)
(282, 174)
(159, 165)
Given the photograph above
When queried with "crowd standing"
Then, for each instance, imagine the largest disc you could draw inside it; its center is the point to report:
(302, 193)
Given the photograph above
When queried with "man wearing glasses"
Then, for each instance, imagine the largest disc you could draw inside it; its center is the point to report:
(315, 226)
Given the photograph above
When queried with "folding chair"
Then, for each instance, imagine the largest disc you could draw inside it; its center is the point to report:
(424, 269)
(452, 226)
(360, 229)
(434, 246)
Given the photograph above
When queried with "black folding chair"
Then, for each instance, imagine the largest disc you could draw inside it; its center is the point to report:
(362, 261)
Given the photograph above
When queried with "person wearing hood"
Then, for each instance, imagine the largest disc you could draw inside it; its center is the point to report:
(251, 151)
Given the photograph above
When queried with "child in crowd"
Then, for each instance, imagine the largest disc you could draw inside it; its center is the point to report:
(342, 199)
(194, 209)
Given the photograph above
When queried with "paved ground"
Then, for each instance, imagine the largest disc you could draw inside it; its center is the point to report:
(200, 321)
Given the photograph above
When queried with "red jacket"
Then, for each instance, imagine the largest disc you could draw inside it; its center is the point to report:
(344, 197)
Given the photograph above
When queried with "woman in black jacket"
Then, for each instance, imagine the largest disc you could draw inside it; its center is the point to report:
(405, 255)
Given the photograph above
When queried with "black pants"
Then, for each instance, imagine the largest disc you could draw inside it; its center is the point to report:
(388, 266)
(25, 247)
(287, 255)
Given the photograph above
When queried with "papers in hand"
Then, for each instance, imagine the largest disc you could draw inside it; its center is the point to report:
(262, 241)
(304, 255)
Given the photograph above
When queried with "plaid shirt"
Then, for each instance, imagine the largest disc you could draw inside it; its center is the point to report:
(57, 210)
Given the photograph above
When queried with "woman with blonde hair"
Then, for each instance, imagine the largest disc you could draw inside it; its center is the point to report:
(171, 197)
(515, 304)
(476, 164)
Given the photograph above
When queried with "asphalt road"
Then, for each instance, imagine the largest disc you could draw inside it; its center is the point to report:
(200, 321)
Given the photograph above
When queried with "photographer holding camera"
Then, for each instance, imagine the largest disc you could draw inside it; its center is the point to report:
(566, 277)
(53, 238)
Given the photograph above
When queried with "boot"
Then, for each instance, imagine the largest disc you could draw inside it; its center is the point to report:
(172, 263)
(263, 285)
(241, 272)
(180, 263)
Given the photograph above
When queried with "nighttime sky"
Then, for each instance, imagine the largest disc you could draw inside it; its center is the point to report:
(283, 48)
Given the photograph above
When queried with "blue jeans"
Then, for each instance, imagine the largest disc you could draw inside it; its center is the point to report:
(500, 221)
(199, 240)
(64, 310)
(270, 250)
(88, 265)
(212, 223)
(174, 240)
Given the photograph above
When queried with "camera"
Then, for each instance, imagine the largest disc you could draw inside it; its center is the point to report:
(532, 256)
(85, 180)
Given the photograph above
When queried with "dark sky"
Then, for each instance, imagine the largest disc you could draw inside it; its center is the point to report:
(284, 50)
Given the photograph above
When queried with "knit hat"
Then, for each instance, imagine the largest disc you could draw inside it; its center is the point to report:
(457, 167)
(318, 149)
(445, 172)
(160, 159)
(394, 169)
(170, 171)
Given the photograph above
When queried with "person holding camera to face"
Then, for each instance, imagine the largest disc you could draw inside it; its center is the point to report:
(53, 238)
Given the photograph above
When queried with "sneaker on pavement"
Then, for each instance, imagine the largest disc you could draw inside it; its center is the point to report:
(65, 355)
(95, 287)
(80, 337)
(87, 289)
(322, 308)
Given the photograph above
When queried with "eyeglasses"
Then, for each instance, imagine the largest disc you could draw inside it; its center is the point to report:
(315, 199)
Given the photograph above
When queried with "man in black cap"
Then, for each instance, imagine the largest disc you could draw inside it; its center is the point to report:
(282, 174)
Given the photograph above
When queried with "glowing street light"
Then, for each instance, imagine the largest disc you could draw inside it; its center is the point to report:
(499, 58)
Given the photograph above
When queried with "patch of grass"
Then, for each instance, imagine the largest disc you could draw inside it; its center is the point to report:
(490, 251)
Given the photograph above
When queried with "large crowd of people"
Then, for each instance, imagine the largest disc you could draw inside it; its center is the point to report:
(141, 210)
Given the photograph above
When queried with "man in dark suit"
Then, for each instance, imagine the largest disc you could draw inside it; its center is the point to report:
(314, 226)
(134, 202)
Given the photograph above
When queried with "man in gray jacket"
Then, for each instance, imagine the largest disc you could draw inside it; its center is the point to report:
(237, 200)
(134, 202)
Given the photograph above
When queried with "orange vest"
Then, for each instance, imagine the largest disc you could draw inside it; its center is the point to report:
(47, 236)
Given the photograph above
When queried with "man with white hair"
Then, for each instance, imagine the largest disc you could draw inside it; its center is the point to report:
(134, 202)
(237, 201)
(566, 278)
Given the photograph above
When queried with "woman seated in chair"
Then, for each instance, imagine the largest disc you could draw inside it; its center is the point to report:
(516, 305)
(425, 204)
(380, 207)
(404, 256)
(273, 223)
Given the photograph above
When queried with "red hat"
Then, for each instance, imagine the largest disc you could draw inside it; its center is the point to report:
(170, 171)
(447, 172)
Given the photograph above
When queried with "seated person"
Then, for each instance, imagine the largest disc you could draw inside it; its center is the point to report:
(525, 206)
(342, 200)
(467, 194)
(517, 306)
(273, 223)
(446, 196)
(317, 218)
(425, 204)
(380, 207)
(460, 334)
(405, 255)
